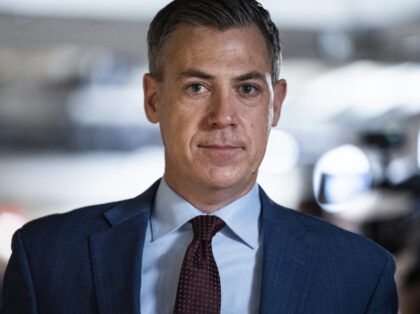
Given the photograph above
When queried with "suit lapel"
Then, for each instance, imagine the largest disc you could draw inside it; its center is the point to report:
(116, 255)
(287, 260)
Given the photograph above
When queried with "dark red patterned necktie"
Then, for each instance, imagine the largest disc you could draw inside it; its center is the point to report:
(199, 282)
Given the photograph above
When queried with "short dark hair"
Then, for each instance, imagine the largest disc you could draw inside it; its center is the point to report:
(221, 14)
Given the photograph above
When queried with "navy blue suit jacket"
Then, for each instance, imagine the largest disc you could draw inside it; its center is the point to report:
(89, 261)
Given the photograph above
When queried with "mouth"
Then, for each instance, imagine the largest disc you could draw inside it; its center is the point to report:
(220, 152)
(220, 147)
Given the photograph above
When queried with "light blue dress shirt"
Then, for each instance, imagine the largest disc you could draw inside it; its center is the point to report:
(237, 249)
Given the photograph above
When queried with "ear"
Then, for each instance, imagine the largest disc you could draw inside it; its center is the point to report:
(151, 89)
(280, 90)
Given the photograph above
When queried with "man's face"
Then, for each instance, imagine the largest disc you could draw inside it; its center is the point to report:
(215, 105)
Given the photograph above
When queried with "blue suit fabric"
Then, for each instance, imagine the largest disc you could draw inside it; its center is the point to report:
(89, 261)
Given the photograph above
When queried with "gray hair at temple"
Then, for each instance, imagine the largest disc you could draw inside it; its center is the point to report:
(221, 14)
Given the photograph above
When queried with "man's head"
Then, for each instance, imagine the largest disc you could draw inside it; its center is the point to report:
(215, 100)
(220, 14)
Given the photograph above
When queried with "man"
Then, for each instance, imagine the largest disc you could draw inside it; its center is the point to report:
(213, 88)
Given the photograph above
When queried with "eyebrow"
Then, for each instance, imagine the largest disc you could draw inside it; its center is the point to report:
(194, 73)
(253, 75)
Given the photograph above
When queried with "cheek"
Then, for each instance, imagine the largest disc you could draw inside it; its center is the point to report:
(179, 130)
(258, 132)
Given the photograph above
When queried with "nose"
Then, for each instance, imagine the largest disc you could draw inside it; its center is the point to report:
(222, 111)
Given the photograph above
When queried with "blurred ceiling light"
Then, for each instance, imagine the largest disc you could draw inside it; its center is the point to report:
(10, 221)
(282, 152)
(341, 177)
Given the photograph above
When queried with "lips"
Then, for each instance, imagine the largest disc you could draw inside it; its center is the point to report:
(221, 154)
(222, 146)
(223, 142)
(219, 146)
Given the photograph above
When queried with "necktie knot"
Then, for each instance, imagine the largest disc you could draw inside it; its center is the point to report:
(206, 226)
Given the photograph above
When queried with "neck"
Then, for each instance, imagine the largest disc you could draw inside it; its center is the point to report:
(208, 199)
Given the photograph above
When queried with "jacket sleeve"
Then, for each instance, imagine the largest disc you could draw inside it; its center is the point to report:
(384, 298)
(18, 289)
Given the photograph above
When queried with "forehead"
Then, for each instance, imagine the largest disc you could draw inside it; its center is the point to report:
(198, 46)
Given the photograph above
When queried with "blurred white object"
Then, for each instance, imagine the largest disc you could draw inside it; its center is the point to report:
(109, 104)
(399, 170)
(418, 149)
(57, 182)
(10, 221)
(282, 152)
(341, 177)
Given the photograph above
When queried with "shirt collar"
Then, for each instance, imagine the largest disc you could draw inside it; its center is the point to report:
(171, 211)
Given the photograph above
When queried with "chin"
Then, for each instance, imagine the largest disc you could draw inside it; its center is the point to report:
(219, 181)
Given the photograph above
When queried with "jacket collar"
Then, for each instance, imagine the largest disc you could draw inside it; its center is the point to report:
(116, 254)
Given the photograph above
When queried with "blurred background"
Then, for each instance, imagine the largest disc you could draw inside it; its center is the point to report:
(347, 149)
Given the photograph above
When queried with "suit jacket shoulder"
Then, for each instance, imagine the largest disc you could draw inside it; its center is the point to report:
(72, 262)
(320, 268)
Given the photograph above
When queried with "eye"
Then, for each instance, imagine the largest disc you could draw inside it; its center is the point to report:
(196, 88)
(248, 89)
